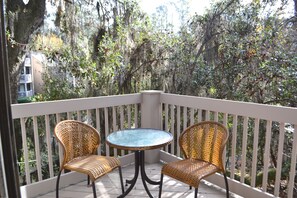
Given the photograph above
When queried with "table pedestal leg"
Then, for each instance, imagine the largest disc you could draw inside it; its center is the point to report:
(139, 162)
(143, 174)
(132, 182)
(144, 177)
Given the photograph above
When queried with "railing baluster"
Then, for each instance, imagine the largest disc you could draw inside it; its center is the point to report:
(166, 123)
(185, 115)
(255, 152)
(49, 146)
(191, 116)
(172, 121)
(106, 129)
(129, 119)
(37, 148)
(69, 116)
(178, 124)
(225, 120)
(279, 158)
(114, 119)
(266, 155)
(199, 115)
(216, 116)
(114, 126)
(122, 123)
(292, 174)
(243, 149)
(225, 123)
(78, 115)
(136, 115)
(59, 145)
(207, 115)
(233, 150)
(89, 117)
(166, 117)
(122, 117)
(129, 116)
(99, 130)
(25, 150)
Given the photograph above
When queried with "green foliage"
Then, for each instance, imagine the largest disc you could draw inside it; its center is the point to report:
(246, 56)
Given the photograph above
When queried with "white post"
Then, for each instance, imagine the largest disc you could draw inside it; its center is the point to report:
(151, 118)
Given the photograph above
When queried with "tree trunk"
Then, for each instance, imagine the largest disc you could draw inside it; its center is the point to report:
(22, 21)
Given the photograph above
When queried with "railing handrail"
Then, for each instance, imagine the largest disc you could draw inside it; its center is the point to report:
(277, 113)
(70, 105)
(254, 110)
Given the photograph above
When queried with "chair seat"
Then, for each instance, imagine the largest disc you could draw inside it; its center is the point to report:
(189, 171)
(93, 165)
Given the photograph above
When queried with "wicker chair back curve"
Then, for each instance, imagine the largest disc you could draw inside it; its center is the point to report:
(205, 141)
(77, 139)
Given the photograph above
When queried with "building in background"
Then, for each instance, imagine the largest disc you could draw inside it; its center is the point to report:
(31, 77)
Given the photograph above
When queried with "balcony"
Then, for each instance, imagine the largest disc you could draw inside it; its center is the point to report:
(253, 129)
(26, 78)
(22, 94)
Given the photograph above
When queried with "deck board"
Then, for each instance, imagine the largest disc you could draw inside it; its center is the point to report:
(109, 187)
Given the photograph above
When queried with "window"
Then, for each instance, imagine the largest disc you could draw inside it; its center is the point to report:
(27, 61)
(29, 87)
(28, 70)
(22, 87)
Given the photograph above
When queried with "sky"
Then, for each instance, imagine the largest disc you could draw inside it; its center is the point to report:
(198, 6)
(195, 6)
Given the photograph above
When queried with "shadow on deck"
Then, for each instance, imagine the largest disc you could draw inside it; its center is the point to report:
(109, 187)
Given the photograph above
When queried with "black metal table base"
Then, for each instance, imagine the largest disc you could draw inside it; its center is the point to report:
(139, 163)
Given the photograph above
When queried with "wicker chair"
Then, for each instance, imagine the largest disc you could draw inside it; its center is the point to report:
(202, 145)
(80, 142)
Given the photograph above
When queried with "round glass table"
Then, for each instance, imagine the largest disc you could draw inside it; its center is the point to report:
(139, 140)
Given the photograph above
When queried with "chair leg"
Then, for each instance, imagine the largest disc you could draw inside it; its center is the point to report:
(121, 178)
(227, 186)
(161, 183)
(57, 184)
(88, 180)
(94, 189)
(196, 193)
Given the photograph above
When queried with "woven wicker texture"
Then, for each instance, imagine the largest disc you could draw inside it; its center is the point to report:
(95, 166)
(202, 145)
(80, 142)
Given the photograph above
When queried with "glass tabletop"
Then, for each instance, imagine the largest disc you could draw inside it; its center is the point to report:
(139, 139)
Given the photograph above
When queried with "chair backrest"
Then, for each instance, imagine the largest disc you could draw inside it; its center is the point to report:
(77, 138)
(205, 141)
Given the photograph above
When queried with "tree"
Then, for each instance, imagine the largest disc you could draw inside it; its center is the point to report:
(22, 20)
(121, 51)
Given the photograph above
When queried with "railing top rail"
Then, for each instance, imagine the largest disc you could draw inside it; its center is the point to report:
(70, 105)
(253, 110)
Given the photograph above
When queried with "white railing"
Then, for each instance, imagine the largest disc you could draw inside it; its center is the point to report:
(251, 128)
(35, 122)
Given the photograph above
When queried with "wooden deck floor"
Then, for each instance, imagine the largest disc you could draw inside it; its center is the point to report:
(109, 187)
